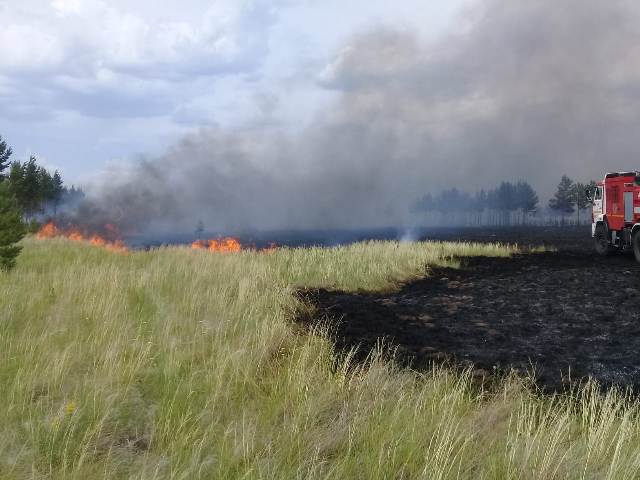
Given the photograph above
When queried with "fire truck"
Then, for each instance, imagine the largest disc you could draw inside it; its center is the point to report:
(616, 213)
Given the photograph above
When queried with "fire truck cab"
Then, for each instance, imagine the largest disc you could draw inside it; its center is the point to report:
(616, 213)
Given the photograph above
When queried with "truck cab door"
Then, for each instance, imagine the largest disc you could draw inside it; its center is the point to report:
(628, 207)
(597, 203)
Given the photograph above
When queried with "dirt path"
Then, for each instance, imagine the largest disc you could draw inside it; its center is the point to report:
(568, 314)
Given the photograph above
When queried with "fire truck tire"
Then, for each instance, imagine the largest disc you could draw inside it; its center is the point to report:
(601, 240)
(635, 240)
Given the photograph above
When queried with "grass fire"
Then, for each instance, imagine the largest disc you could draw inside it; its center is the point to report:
(230, 245)
(111, 243)
(224, 245)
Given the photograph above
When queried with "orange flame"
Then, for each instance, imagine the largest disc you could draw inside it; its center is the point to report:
(97, 241)
(222, 245)
(51, 230)
(48, 231)
(75, 235)
(117, 246)
(229, 245)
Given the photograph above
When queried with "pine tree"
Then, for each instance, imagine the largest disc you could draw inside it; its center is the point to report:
(581, 197)
(5, 154)
(34, 188)
(11, 229)
(58, 191)
(16, 182)
(480, 205)
(526, 199)
(506, 201)
(45, 185)
(32, 195)
(564, 199)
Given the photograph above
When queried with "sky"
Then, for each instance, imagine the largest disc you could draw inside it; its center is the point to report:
(85, 84)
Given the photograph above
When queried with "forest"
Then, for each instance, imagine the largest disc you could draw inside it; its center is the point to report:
(510, 203)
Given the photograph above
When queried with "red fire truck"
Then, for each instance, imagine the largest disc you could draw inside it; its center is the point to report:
(616, 213)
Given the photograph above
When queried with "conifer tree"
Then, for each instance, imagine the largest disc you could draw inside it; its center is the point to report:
(581, 197)
(34, 188)
(526, 199)
(5, 154)
(11, 229)
(479, 205)
(45, 185)
(564, 199)
(15, 182)
(58, 191)
(31, 191)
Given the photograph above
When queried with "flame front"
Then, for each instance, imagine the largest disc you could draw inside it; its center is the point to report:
(51, 230)
(230, 245)
(220, 245)
(223, 245)
(48, 231)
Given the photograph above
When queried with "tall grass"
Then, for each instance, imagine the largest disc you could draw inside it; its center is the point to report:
(184, 364)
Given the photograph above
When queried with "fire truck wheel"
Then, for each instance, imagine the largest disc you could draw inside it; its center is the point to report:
(601, 240)
(636, 245)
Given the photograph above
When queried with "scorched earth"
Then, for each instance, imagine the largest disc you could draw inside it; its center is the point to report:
(563, 315)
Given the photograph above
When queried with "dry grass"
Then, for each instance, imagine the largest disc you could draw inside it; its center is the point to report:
(184, 364)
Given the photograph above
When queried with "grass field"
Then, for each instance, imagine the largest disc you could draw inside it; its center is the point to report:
(184, 364)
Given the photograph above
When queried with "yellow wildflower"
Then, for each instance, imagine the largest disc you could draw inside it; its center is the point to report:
(70, 408)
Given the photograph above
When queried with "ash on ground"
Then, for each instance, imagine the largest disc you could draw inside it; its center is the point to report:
(567, 315)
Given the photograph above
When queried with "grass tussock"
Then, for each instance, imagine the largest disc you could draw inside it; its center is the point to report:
(184, 364)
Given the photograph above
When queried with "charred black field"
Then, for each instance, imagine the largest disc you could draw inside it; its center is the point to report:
(565, 315)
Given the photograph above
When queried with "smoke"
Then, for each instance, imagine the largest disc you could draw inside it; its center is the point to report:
(526, 90)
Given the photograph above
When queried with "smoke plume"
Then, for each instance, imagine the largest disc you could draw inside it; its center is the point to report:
(521, 90)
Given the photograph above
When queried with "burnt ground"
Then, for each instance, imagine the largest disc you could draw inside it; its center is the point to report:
(567, 315)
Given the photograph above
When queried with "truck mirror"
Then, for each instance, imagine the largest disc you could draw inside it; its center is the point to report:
(588, 195)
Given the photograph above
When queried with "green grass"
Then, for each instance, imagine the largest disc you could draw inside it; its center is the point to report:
(185, 364)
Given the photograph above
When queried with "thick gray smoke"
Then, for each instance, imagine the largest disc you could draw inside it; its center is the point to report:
(527, 90)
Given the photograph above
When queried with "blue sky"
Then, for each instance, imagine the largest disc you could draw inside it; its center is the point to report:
(86, 83)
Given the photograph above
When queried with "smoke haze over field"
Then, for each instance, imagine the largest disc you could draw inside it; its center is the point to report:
(522, 90)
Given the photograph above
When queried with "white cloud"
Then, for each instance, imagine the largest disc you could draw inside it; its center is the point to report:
(105, 58)
(25, 47)
(66, 7)
(88, 34)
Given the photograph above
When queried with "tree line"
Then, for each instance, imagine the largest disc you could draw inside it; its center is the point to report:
(504, 205)
(27, 191)
(508, 204)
